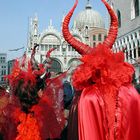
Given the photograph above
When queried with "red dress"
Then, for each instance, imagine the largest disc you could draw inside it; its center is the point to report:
(109, 106)
(93, 120)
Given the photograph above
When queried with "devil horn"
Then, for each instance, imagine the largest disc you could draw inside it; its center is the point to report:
(80, 47)
(113, 31)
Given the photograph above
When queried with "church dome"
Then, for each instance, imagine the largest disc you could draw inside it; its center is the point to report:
(89, 18)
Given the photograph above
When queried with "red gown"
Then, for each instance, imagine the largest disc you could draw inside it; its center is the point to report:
(109, 106)
(93, 122)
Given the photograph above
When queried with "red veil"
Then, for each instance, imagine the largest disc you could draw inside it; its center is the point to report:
(109, 106)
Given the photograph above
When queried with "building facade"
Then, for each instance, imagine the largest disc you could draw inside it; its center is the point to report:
(3, 68)
(128, 13)
(88, 27)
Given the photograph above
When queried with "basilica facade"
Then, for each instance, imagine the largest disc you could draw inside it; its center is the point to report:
(88, 27)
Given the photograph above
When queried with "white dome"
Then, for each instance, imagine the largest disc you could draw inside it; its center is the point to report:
(89, 18)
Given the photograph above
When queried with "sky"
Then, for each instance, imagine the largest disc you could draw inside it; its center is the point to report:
(15, 15)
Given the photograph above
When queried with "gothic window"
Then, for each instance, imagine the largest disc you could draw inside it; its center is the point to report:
(127, 38)
(130, 55)
(94, 37)
(112, 5)
(119, 17)
(131, 37)
(46, 47)
(135, 52)
(99, 37)
(73, 49)
(42, 48)
(58, 47)
(54, 46)
(135, 35)
(50, 46)
(86, 30)
(139, 52)
(2, 79)
(134, 9)
(4, 72)
(69, 48)
(133, 47)
(138, 49)
(94, 44)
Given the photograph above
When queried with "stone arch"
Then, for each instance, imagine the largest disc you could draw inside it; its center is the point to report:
(49, 40)
(56, 66)
(47, 34)
(72, 65)
(74, 62)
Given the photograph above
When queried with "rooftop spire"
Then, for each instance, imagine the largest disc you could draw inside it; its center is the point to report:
(88, 6)
(50, 24)
(35, 17)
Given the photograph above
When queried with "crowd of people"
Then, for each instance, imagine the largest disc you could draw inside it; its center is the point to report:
(98, 103)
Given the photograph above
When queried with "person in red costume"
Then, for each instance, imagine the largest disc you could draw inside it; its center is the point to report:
(33, 109)
(109, 105)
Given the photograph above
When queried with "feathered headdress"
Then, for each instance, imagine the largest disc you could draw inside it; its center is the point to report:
(100, 64)
(27, 74)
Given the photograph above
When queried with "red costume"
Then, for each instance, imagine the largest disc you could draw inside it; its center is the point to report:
(109, 106)
(25, 114)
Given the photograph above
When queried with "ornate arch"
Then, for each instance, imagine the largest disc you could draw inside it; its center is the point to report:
(73, 62)
(56, 65)
(47, 34)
